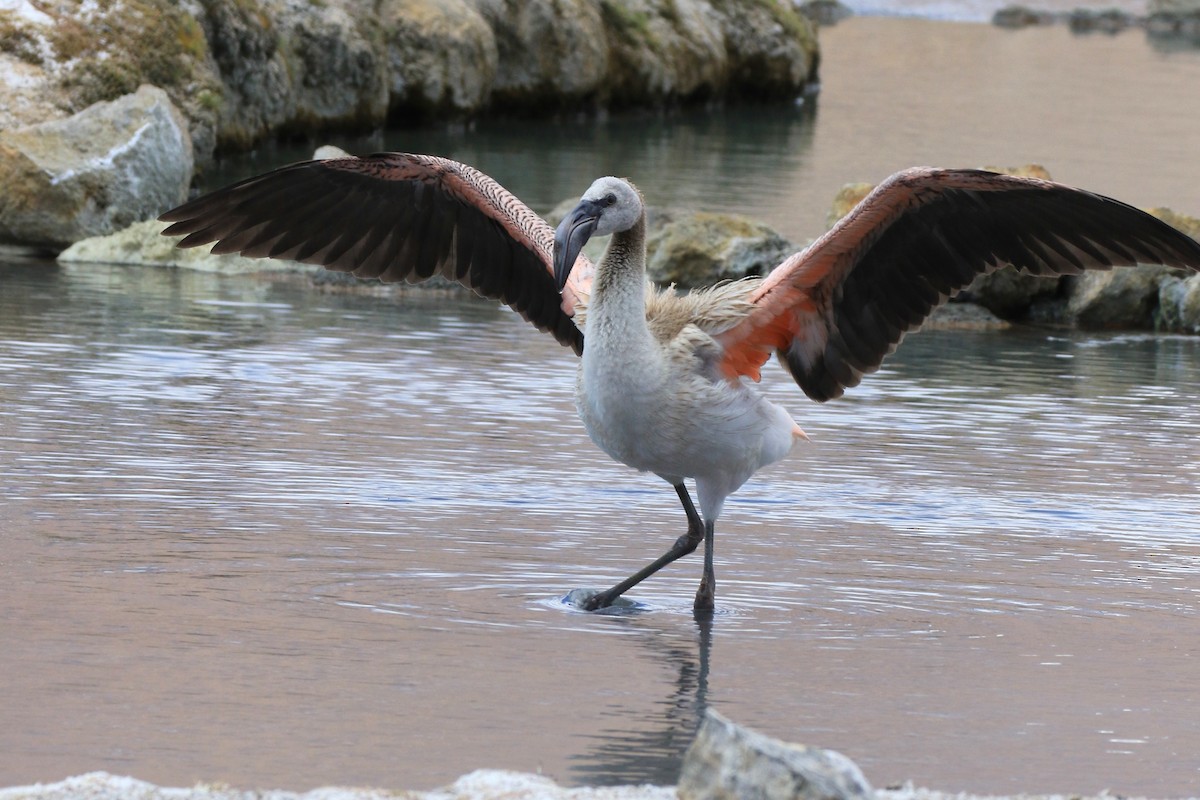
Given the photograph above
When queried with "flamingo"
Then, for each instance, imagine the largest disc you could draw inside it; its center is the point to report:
(666, 379)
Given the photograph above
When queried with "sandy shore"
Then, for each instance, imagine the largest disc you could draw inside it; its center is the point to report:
(479, 785)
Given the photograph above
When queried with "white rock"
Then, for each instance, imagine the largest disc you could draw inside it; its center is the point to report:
(478, 785)
(95, 172)
(328, 151)
(729, 762)
(142, 244)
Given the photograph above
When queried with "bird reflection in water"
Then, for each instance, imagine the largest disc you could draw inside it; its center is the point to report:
(652, 750)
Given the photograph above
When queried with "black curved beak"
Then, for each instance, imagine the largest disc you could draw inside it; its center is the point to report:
(570, 237)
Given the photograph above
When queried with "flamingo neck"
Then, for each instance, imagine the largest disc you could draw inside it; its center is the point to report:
(619, 294)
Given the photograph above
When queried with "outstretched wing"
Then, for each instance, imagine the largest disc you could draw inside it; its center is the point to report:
(836, 309)
(392, 216)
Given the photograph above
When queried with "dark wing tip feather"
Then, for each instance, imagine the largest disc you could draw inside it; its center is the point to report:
(391, 216)
(926, 234)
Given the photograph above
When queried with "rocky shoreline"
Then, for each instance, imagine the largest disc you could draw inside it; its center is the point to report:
(243, 71)
(725, 761)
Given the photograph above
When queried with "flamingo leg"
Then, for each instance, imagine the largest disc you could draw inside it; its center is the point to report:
(707, 593)
(696, 532)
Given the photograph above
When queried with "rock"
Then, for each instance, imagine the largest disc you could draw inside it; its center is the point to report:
(442, 58)
(693, 249)
(696, 248)
(657, 55)
(1009, 293)
(142, 244)
(620, 53)
(825, 12)
(1118, 298)
(294, 65)
(24, 84)
(327, 151)
(846, 199)
(62, 57)
(1179, 304)
(1023, 171)
(1189, 225)
(1173, 19)
(1022, 17)
(95, 172)
(494, 784)
(671, 50)
(483, 784)
(772, 49)
(1110, 20)
(550, 53)
(728, 762)
(963, 317)
(239, 70)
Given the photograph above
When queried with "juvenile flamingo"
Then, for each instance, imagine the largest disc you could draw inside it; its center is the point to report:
(664, 383)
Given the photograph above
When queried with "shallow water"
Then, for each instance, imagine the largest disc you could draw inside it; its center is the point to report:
(264, 535)
(273, 537)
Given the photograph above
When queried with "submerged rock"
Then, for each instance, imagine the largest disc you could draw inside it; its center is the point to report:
(695, 249)
(1165, 19)
(964, 316)
(1017, 16)
(142, 244)
(1118, 298)
(95, 172)
(1174, 19)
(1108, 20)
(1179, 304)
(1009, 293)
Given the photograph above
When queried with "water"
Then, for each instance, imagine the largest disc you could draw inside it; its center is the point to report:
(260, 534)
